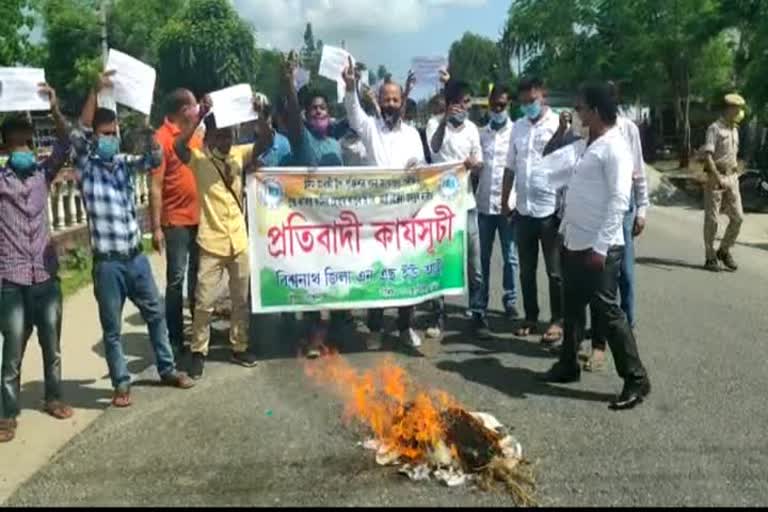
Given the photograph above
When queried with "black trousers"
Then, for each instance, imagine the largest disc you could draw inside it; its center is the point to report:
(532, 232)
(376, 319)
(584, 286)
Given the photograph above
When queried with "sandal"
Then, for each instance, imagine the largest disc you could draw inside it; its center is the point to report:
(58, 410)
(122, 398)
(553, 336)
(595, 362)
(525, 330)
(7, 430)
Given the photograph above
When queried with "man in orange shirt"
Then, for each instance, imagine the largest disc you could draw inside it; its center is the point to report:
(176, 213)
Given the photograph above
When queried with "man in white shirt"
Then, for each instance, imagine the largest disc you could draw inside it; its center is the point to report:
(493, 213)
(597, 199)
(457, 139)
(536, 223)
(389, 142)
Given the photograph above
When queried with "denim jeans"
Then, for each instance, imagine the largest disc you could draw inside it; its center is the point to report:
(627, 274)
(23, 308)
(183, 259)
(474, 264)
(489, 225)
(114, 281)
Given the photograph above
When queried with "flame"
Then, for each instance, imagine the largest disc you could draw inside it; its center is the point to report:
(401, 416)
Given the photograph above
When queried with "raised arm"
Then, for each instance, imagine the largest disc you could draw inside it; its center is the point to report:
(437, 139)
(292, 108)
(58, 158)
(359, 121)
(89, 109)
(409, 85)
(181, 144)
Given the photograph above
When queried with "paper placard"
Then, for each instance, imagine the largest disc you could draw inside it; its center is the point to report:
(427, 70)
(301, 78)
(20, 90)
(333, 62)
(134, 82)
(233, 106)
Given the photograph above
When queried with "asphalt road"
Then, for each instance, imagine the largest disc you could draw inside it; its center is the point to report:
(267, 436)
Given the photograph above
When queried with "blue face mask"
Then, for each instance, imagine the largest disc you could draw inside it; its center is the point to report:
(107, 147)
(499, 118)
(458, 119)
(532, 110)
(23, 162)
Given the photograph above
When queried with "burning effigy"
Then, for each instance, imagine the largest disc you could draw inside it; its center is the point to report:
(427, 433)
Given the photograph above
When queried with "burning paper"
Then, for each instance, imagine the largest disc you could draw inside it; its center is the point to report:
(426, 432)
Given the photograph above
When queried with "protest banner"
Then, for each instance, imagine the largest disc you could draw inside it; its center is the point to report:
(356, 238)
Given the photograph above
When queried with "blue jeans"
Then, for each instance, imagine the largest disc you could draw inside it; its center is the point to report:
(23, 308)
(183, 258)
(475, 265)
(114, 281)
(489, 225)
(627, 273)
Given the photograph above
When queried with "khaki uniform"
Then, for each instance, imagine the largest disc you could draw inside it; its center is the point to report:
(723, 143)
(223, 246)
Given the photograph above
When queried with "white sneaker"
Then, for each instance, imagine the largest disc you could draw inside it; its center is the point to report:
(434, 333)
(373, 341)
(410, 338)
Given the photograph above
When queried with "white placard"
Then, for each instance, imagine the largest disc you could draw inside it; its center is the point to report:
(20, 90)
(333, 62)
(134, 82)
(233, 106)
(301, 78)
(427, 70)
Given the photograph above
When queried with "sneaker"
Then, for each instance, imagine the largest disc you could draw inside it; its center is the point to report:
(246, 359)
(436, 331)
(410, 338)
(373, 341)
(712, 265)
(196, 366)
(480, 328)
(727, 259)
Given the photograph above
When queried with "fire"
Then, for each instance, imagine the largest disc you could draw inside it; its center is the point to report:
(401, 416)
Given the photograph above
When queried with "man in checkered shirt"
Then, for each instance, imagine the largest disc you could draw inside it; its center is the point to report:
(120, 270)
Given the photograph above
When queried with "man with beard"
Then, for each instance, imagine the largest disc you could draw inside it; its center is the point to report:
(389, 142)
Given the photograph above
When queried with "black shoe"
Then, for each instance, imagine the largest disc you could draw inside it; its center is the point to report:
(246, 359)
(480, 328)
(727, 259)
(561, 375)
(196, 366)
(712, 265)
(633, 394)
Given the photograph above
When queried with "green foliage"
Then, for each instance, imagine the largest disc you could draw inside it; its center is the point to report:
(205, 48)
(134, 25)
(75, 270)
(478, 61)
(15, 24)
(267, 79)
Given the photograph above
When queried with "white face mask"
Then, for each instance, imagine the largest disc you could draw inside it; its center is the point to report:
(578, 126)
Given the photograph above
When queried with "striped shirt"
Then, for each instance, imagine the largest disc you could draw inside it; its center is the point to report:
(27, 255)
(108, 193)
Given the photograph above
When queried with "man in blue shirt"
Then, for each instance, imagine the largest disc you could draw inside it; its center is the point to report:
(120, 270)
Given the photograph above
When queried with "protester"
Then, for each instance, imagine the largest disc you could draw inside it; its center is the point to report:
(313, 146)
(494, 214)
(457, 139)
(176, 215)
(411, 113)
(596, 201)
(536, 222)
(30, 292)
(389, 142)
(120, 269)
(222, 237)
(721, 190)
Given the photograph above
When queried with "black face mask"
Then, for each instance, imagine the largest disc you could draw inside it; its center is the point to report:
(391, 116)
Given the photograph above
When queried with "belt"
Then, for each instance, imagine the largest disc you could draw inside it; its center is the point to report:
(117, 256)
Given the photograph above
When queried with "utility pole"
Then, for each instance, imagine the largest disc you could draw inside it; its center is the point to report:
(103, 8)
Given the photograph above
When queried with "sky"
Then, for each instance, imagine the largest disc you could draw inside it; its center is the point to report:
(388, 32)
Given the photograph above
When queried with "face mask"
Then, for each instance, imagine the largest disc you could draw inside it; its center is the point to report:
(391, 116)
(107, 147)
(23, 162)
(319, 126)
(458, 119)
(578, 127)
(499, 118)
(532, 110)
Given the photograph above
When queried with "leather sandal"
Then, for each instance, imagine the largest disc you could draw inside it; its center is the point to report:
(121, 398)
(58, 410)
(553, 336)
(526, 329)
(7, 430)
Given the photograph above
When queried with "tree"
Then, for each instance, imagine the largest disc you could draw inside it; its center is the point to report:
(134, 25)
(206, 47)
(382, 73)
(72, 41)
(478, 61)
(309, 39)
(267, 79)
(15, 24)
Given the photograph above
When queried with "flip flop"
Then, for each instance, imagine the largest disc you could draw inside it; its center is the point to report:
(59, 410)
(7, 430)
(594, 364)
(525, 330)
(121, 399)
(553, 335)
